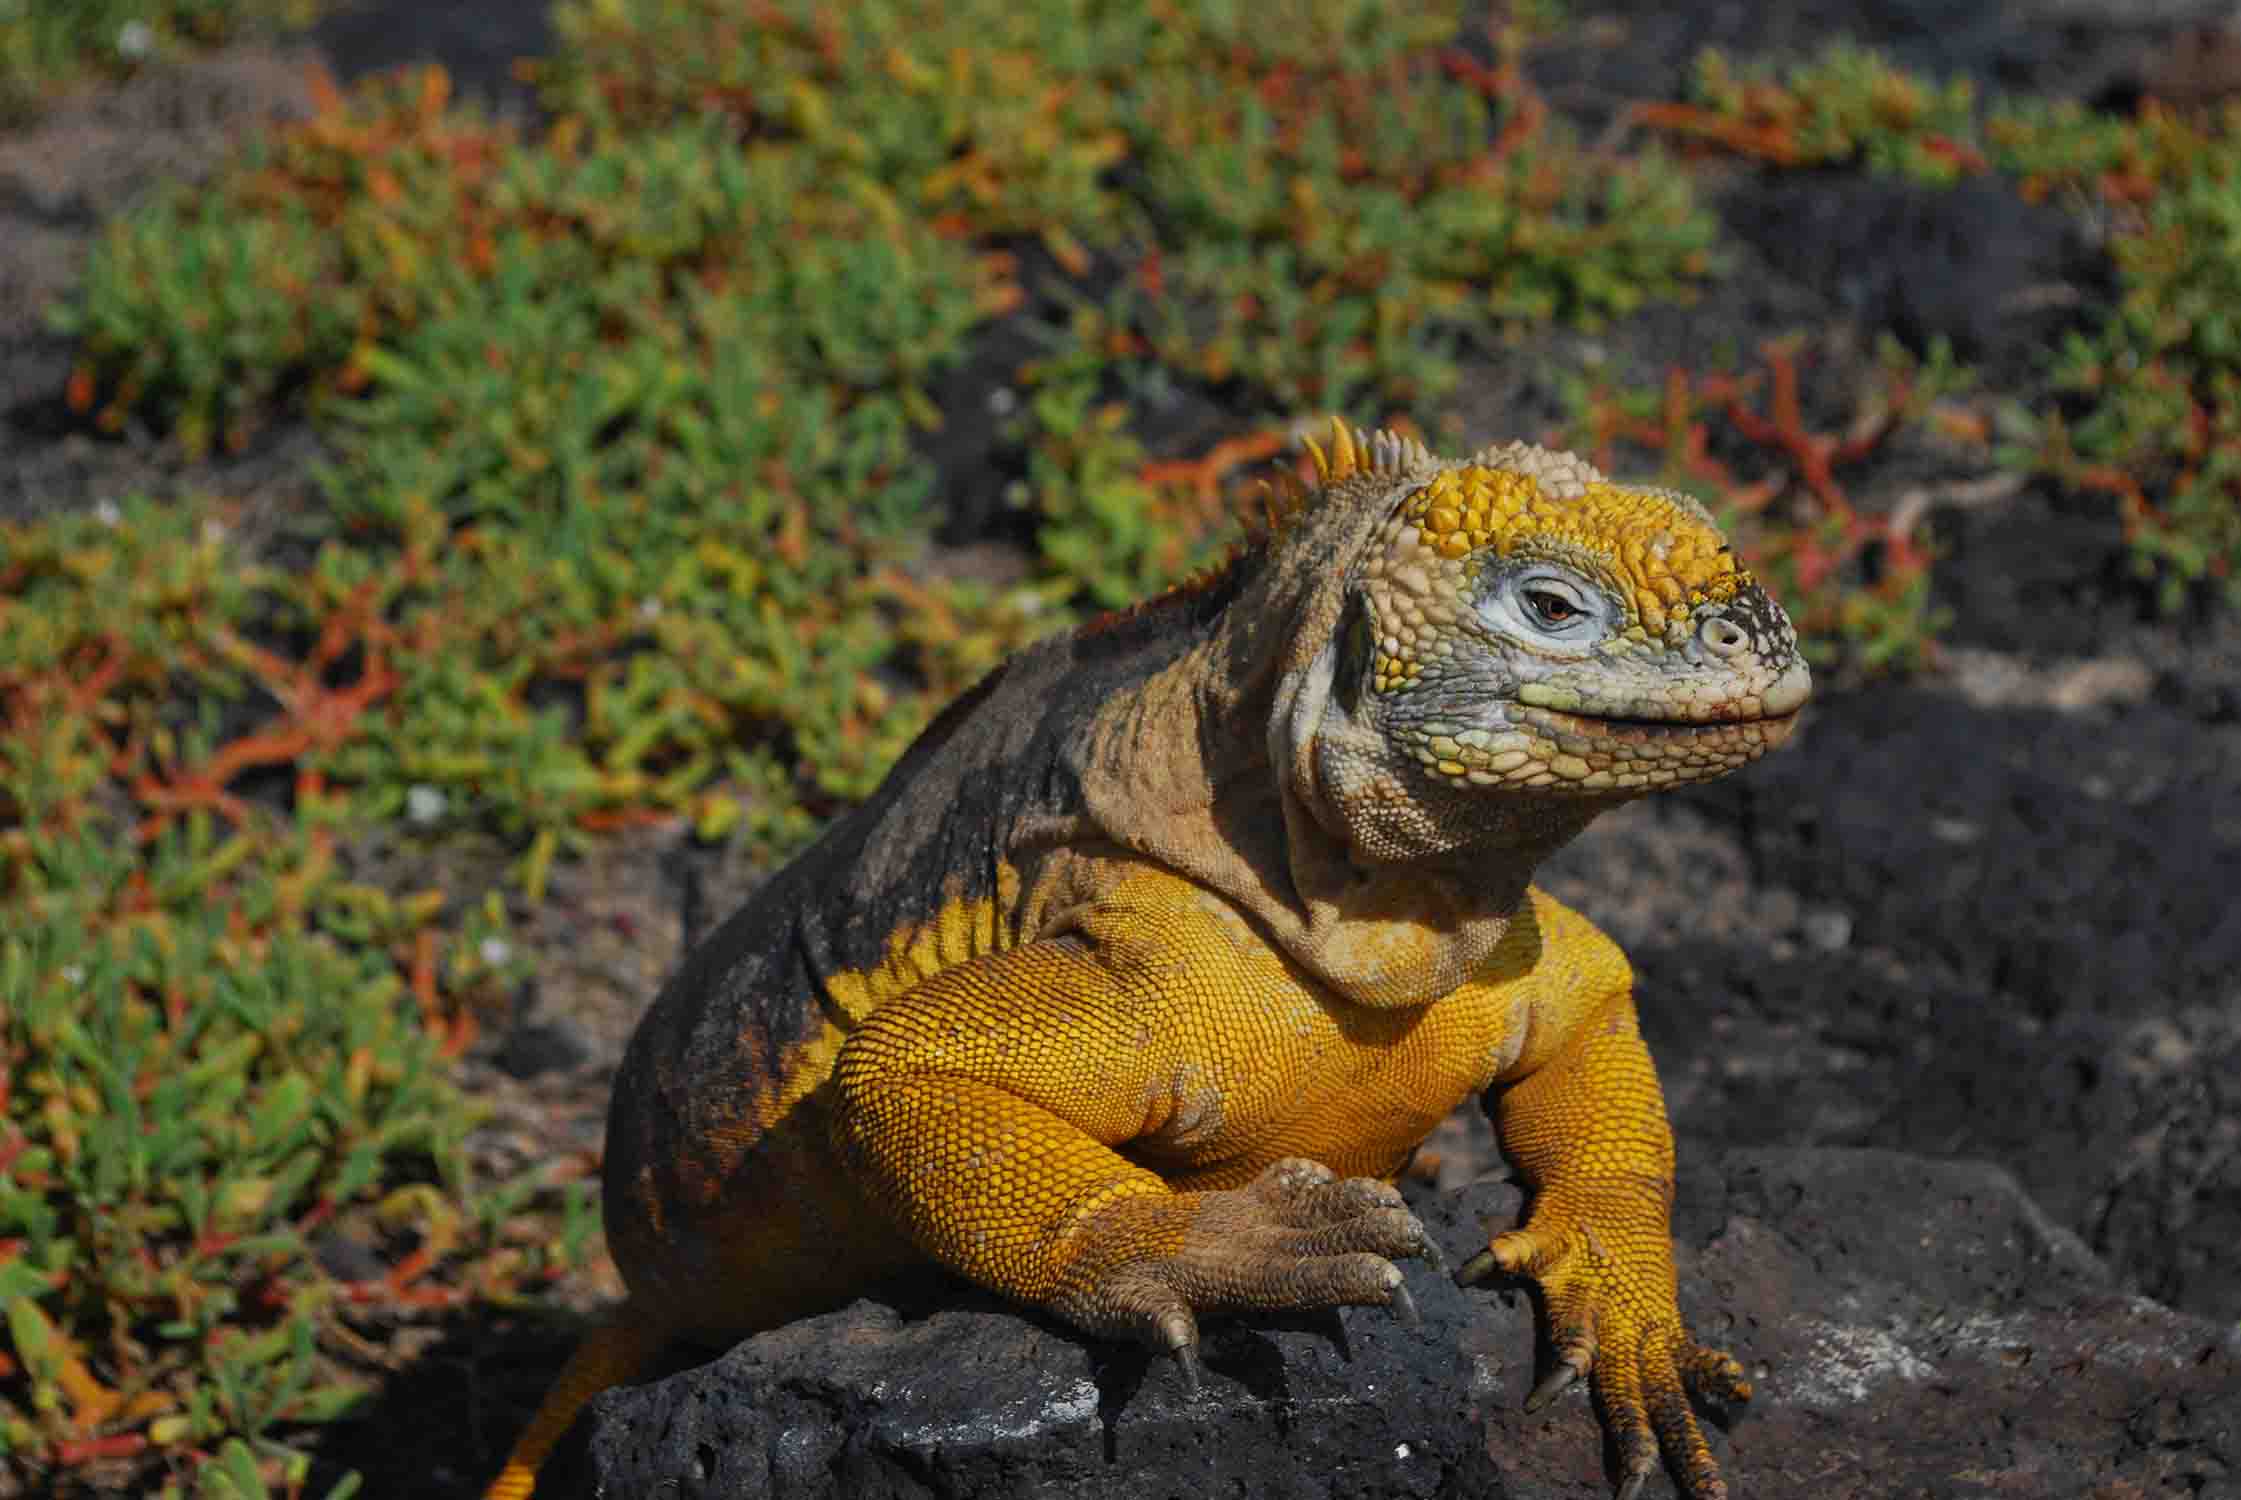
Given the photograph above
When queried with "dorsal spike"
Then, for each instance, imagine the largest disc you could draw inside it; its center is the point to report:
(1321, 461)
(1391, 453)
(1346, 459)
(1281, 502)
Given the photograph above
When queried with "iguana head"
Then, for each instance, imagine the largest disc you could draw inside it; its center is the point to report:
(1516, 632)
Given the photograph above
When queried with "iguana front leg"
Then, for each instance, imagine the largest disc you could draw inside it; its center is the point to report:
(1586, 1127)
(982, 1109)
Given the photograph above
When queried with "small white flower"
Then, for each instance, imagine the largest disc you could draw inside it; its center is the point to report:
(213, 532)
(135, 40)
(424, 804)
(1003, 401)
(495, 951)
(649, 608)
(106, 512)
(73, 974)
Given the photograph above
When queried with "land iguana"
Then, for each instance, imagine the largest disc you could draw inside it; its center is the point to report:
(1140, 978)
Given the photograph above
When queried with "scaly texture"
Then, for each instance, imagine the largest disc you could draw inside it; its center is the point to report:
(1149, 966)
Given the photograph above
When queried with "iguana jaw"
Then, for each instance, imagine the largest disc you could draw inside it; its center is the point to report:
(1664, 736)
(1620, 755)
(1774, 686)
(1546, 739)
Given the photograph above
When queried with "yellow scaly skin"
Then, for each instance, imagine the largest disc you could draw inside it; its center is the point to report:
(1136, 985)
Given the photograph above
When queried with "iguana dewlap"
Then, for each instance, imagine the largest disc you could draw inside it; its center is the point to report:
(1152, 961)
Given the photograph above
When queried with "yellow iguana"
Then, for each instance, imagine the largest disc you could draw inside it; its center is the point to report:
(1140, 978)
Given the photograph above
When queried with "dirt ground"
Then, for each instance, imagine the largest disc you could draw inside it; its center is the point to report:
(1987, 913)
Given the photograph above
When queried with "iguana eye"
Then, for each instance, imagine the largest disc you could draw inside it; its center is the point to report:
(1542, 605)
(1553, 608)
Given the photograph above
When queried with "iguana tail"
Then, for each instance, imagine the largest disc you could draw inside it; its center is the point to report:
(609, 1355)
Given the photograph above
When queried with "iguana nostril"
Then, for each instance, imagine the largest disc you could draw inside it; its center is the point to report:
(1722, 636)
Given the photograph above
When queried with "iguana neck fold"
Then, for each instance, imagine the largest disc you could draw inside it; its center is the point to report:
(1180, 771)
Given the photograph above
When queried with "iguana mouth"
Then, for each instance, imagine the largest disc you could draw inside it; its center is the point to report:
(1762, 733)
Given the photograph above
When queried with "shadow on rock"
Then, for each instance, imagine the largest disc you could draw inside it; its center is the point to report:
(448, 1408)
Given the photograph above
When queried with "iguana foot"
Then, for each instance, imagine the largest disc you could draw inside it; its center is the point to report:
(1613, 1316)
(1297, 1236)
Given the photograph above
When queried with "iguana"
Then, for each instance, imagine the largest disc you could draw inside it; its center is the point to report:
(1148, 967)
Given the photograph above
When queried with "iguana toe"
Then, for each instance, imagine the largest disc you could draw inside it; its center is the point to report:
(1714, 1376)
(1295, 1237)
(1608, 1291)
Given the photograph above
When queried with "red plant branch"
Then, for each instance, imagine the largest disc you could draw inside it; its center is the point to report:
(317, 717)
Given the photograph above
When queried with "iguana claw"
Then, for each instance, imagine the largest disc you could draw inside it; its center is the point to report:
(1478, 1268)
(1552, 1385)
(1186, 1360)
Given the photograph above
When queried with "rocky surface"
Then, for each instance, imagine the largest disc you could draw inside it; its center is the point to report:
(1915, 1327)
(974, 1399)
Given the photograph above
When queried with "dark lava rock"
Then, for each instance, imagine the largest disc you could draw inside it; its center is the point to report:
(475, 44)
(1630, 49)
(532, 1049)
(977, 1400)
(1972, 263)
(1915, 1327)
(1919, 1327)
(2040, 944)
(2050, 857)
